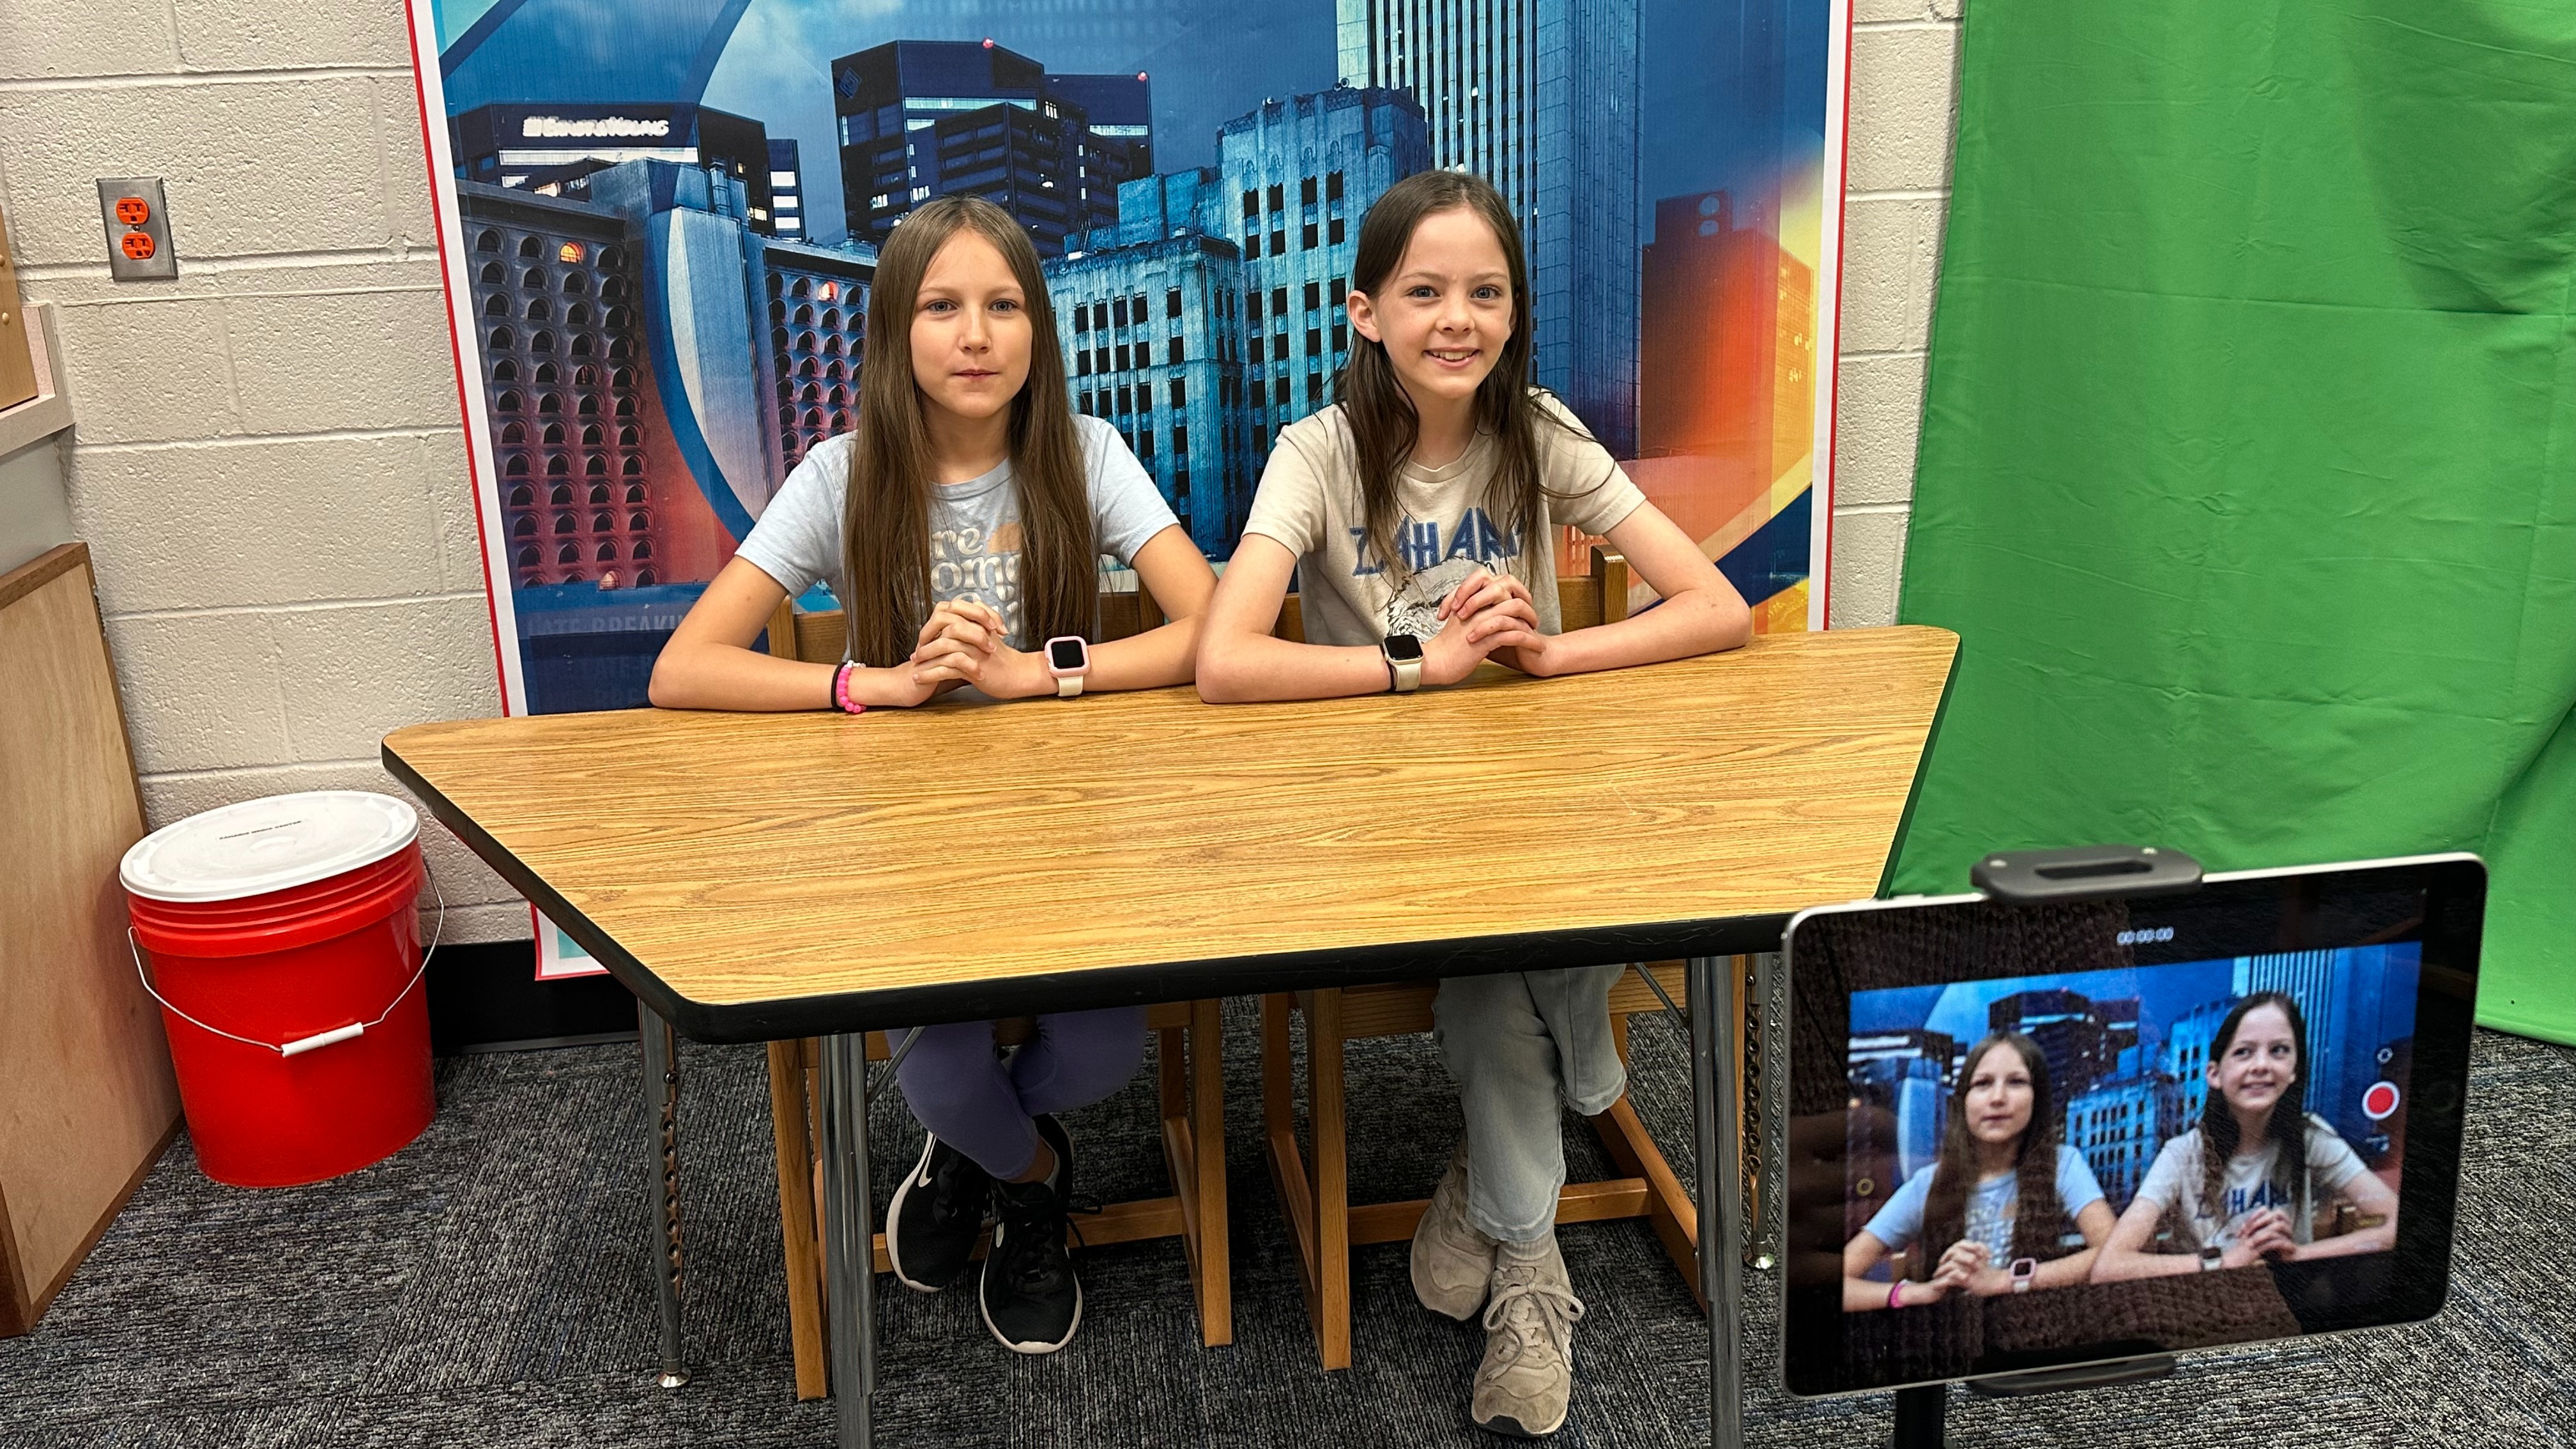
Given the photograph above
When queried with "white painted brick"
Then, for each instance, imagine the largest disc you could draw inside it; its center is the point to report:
(200, 690)
(347, 272)
(1903, 89)
(148, 370)
(451, 499)
(215, 525)
(306, 364)
(1869, 558)
(404, 159)
(54, 38)
(355, 674)
(1878, 419)
(251, 167)
(1865, 12)
(462, 877)
(94, 286)
(1889, 246)
(1947, 9)
(261, 34)
(472, 924)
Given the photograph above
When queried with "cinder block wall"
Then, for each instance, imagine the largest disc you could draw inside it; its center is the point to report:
(268, 465)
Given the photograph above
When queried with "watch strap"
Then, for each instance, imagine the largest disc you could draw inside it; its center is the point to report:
(1068, 685)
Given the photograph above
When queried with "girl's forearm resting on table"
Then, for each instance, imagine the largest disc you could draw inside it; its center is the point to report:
(1691, 623)
(1701, 612)
(1251, 667)
(721, 676)
(1239, 660)
(1150, 660)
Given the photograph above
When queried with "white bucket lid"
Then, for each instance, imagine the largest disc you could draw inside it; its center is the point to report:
(272, 844)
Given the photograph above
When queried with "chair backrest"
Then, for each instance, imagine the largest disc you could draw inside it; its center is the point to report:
(1599, 597)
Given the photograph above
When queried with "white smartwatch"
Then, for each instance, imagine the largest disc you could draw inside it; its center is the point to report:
(1068, 659)
(1403, 662)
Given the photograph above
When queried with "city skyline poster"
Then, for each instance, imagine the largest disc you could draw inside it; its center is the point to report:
(658, 227)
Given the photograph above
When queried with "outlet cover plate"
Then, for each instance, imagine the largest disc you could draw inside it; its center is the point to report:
(164, 261)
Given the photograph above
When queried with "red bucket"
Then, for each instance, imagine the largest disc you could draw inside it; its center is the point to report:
(287, 960)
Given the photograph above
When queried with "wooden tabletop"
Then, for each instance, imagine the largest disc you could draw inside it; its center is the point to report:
(758, 876)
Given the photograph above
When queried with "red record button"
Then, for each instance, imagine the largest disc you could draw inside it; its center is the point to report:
(2380, 1101)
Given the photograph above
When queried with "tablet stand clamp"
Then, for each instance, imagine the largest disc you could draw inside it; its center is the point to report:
(2054, 877)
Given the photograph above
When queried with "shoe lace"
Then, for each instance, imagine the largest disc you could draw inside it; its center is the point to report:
(1539, 1315)
(1030, 1237)
(959, 1188)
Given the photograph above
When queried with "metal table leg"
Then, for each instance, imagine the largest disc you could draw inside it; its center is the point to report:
(1716, 1043)
(662, 1111)
(849, 1242)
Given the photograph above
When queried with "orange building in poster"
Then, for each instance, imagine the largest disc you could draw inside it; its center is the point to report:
(1726, 375)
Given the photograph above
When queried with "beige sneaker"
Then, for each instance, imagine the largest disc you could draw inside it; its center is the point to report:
(1453, 1262)
(1528, 1373)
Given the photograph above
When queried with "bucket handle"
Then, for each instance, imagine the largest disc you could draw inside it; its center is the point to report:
(304, 1044)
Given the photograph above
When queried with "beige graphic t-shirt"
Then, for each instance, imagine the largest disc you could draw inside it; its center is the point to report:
(1310, 503)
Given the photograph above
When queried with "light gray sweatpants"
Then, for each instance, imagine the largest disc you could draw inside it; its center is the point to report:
(1516, 1043)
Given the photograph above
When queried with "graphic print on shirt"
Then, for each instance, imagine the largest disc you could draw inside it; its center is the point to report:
(1434, 565)
(2263, 1194)
(969, 565)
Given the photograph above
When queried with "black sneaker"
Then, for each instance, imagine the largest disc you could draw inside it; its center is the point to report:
(937, 1213)
(1032, 1301)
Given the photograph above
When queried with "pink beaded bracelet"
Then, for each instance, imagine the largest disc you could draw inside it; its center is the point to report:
(841, 691)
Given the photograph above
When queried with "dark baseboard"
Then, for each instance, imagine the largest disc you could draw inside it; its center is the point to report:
(485, 997)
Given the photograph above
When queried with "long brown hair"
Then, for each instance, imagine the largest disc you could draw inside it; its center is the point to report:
(2288, 1125)
(2040, 1223)
(1384, 425)
(885, 522)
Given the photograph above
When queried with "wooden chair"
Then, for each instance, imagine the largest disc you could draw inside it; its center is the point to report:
(1189, 1047)
(1322, 1222)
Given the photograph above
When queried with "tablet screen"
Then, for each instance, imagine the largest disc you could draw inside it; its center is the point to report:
(2033, 1136)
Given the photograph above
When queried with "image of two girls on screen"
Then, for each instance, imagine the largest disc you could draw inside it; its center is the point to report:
(2006, 1207)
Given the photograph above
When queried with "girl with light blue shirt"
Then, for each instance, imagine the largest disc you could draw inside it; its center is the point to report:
(2002, 1203)
(961, 526)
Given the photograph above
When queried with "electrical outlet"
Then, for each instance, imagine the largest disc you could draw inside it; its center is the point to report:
(138, 228)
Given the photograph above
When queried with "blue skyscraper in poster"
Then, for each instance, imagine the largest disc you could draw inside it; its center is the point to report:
(1210, 315)
(1295, 177)
(925, 118)
(1150, 334)
(1541, 98)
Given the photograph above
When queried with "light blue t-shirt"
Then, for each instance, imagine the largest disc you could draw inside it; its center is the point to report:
(1990, 1206)
(974, 525)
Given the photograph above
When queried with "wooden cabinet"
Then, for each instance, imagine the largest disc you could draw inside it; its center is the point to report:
(17, 363)
(87, 1101)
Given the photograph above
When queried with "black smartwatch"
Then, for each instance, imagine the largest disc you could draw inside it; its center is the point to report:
(1403, 662)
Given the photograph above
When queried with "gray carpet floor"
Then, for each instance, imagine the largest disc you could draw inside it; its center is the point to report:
(488, 1286)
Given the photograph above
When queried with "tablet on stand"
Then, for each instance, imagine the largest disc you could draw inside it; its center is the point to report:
(2108, 1110)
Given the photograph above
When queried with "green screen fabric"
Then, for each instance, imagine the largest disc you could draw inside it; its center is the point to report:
(2248, 472)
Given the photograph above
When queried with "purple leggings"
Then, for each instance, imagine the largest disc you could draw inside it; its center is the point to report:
(972, 1100)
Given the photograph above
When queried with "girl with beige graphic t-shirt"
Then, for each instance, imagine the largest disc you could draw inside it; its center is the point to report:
(1420, 506)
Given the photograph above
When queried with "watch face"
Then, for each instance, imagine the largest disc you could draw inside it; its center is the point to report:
(1066, 653)
(1403, 648)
